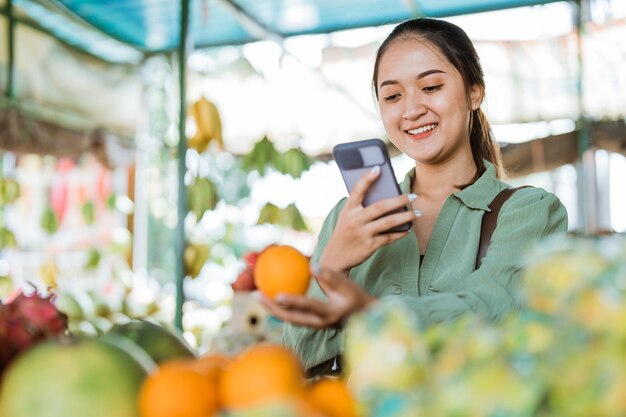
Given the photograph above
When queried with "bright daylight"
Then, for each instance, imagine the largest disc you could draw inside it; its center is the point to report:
(312, 208)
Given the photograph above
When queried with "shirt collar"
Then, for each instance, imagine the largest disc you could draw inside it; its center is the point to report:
(476, 196)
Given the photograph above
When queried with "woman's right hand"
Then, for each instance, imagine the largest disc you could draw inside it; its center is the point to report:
(359, 230)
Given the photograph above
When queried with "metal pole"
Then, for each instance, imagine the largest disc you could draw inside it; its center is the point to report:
(586, 158)
(10, 93)
(182, 150)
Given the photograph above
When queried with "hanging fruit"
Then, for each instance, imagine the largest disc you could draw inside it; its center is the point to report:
(262, 156)
(93, 259)
(48, 273)
(49, 221)
(9, 190)
(292, 218)
(7, 238)
(194, 258)
(88, 211)
(269, 214)
(6, 286)
(294, 162)
(201, 196)
(208, 125)
(289, 217)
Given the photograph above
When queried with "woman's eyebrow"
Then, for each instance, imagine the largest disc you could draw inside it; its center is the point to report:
(429, 72)
(419, 76)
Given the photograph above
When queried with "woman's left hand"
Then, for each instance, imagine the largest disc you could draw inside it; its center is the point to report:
(344, 297)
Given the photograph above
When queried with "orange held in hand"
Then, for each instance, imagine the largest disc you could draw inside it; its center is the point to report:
(177, 389)
(264, 374)
(281, 269)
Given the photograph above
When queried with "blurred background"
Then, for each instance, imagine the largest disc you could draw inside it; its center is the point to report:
(90, 119)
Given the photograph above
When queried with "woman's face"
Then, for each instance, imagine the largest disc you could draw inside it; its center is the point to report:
(423, 102)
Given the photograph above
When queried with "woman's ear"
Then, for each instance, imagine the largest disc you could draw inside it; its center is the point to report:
(476, 96)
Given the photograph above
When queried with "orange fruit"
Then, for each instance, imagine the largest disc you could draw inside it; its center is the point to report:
(177, 389)
(281, 269)
(261, 375)
(211, 364)
(332, 398)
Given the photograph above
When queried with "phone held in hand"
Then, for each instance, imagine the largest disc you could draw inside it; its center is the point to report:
(354, 159)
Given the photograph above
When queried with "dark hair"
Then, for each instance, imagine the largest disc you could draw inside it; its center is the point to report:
(458, 49)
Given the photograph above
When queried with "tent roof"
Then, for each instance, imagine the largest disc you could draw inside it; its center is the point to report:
(153, 25)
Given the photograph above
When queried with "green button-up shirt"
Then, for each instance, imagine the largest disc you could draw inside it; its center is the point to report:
(446, 284)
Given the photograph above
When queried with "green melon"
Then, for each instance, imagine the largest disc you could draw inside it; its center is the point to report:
(161, 343)
(97, 377)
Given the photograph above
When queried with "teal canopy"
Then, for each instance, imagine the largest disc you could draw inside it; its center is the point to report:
(152, 26)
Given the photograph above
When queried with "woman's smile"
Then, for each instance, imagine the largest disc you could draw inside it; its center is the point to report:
(422, 132)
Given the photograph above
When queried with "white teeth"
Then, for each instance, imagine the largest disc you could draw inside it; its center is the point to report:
(422, 129)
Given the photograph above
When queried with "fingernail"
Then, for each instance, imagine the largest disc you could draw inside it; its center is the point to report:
(315, 268)
(375, 169)
(412, 197)
(418, 213)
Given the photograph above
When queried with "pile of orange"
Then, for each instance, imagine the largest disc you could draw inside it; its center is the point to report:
(264, 375)
(281, 269)
(261, 375)
(183, 388)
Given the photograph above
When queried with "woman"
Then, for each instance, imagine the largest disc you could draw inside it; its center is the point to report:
(429, 85)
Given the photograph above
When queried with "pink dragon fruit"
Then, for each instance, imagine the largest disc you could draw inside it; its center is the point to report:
(26, 320)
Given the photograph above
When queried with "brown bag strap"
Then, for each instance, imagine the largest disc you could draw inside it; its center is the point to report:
(490, 221)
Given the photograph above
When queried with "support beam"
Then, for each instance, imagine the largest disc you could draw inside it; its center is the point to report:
(182, 150)
(10, 89)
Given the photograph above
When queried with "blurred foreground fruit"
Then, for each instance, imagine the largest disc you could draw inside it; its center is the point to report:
(178, 389)
(332, 398)
(160, 343)
(98, 377)
(26, 320)
(281, 269)
(262, 375)
(385, 350)
(211, 365)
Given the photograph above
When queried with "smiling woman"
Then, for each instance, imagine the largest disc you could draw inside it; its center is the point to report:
(429, 84)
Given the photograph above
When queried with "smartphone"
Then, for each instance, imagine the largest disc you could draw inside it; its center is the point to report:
(354, 159)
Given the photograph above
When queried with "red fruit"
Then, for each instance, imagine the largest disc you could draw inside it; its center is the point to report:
(245, 280)
(25, 321)
(251, 257)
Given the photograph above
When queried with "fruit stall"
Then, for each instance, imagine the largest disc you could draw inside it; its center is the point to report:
(146, 203)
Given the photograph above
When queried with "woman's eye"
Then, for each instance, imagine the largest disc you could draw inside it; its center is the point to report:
(393, 97)
(433, 88)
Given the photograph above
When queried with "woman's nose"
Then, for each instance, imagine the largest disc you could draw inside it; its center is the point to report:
(413, 109)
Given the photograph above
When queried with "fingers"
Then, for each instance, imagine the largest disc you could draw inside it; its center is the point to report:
(311, 305)
(301, 311)
(357, 194)
(389, 221)
(382, 207)
(295, 317)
